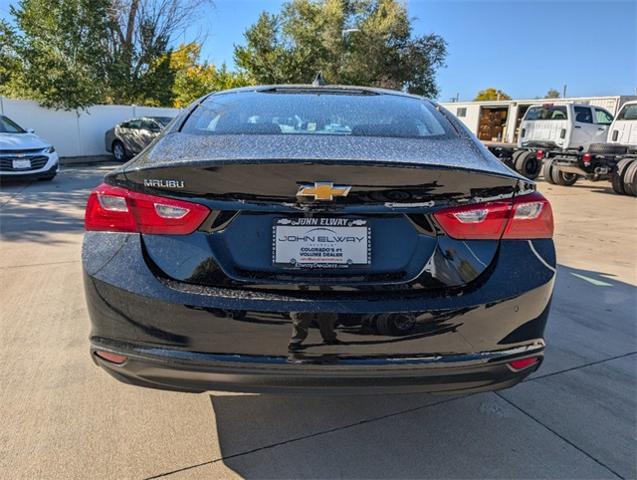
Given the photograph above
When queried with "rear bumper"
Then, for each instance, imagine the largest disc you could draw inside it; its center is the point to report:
(196, 339)
(196, 373)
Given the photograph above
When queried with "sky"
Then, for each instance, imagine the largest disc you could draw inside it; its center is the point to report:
(523, 48)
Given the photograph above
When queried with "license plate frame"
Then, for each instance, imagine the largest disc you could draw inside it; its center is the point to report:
(21, 164)
(321, 242)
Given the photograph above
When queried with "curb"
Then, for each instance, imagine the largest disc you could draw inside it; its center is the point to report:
(86, 161)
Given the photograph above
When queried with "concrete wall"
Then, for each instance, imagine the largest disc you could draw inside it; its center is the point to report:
(75, 134)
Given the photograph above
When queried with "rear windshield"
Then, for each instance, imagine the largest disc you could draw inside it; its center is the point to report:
(162, 120)
(315, 113)
(629, 112)
(546, 113)
(9, 126)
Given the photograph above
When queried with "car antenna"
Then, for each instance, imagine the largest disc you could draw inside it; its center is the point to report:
(319, 80)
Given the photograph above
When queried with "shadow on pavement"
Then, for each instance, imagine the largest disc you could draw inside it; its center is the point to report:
(36, 211)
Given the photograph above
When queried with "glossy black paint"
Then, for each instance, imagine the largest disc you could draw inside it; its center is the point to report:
(210, 310)
(498, 317)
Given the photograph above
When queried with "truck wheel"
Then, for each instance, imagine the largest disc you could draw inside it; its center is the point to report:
(607, 148)
(547, 171)
(630, 179)
(562, 178)
(528, 165)
(617, 178)
(515, 157)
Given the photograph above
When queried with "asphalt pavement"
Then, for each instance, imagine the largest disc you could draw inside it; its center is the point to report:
(62, 417)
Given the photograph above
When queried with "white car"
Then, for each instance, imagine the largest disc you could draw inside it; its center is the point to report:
(25, 155)
(624, 128)
(564, 126)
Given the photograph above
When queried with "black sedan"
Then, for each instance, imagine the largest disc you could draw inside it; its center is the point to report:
(129, 138)
(322, 239)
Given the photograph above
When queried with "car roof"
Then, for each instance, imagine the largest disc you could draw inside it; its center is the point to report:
(343, 89)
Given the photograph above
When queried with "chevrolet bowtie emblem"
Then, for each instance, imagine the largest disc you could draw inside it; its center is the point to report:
(322, 190)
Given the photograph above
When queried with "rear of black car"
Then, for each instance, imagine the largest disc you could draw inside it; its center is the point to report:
(317, 239)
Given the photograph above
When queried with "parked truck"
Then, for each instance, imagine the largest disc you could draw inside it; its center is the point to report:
(614, 159)
(555, 128)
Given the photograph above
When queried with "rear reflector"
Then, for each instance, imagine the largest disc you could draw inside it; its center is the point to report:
(539, 154)
(111, 357)
(116, 209)
(523, 363)
(526, 217)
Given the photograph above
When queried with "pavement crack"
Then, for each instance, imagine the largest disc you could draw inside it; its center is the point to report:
(38, 264)
(311, 435)
(15, 194)
(589, 364)
(562, 437)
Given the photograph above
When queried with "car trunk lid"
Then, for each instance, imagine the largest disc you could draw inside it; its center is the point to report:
(256, 206)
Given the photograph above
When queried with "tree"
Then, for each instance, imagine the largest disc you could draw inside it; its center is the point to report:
(193, 80)
(57, 51)
(9, 62)
(552, 93)
(491, 94)
(363, 42)
(139, 53)
(71, 54)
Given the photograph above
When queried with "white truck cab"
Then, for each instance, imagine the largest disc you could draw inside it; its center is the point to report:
(564, 126)
(624, 128)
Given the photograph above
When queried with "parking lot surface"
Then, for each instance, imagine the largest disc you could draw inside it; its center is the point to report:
(63, 417)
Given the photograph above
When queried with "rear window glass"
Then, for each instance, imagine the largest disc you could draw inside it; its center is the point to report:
(546, 113)
(629, 112)
(315, 113)
(583, 115)
(162, 120)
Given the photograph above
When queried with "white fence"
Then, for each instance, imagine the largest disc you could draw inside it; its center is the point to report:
(75, 134)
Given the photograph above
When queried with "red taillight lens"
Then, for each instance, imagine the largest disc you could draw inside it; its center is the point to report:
(527, 217)
(531, 217)
(523, 363)
(481, 221)
(586, 158)
(117, 209)
(539, 154)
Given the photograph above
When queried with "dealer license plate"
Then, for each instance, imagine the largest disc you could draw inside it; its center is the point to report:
(321, 242)
(19, 164)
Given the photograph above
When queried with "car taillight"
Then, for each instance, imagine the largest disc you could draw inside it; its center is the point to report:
(586, 158)
(527, 217)
(117, 209)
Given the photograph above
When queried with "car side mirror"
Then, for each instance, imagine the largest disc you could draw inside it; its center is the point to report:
(30, 130)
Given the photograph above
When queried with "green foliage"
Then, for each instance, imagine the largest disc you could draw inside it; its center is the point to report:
(9, 63)
(193, 80)
(362, 42)
(552, 93)
(491, 94)
(57, 52)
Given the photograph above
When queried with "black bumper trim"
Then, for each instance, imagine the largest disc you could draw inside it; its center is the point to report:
(483, 372)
